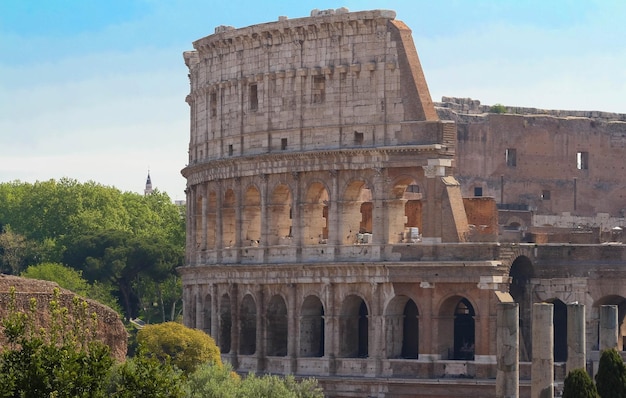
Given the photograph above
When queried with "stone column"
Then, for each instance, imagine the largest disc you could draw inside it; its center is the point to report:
(203, 236)
(542, 370)
(214, 314)
(296, 216)
(608, 327)
(576, 340)
(334, 214)
(507, 350)
(219, 220)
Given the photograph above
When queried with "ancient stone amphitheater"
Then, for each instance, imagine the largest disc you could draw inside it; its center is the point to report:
(327, 235)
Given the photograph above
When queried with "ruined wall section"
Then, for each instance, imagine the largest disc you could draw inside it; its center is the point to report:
(560, 166)
(332, 81)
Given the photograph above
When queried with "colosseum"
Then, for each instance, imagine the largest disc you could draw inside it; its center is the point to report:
(329, 233)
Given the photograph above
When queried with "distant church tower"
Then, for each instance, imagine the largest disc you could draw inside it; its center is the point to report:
(148, 189)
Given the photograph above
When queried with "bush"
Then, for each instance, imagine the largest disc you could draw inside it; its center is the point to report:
(578, 384)
(611, 376)
(145, 376)
(498, 108)
(185, 347)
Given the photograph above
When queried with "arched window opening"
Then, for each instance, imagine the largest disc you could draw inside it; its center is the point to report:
(251, 221)
(402, 328)
(354, 328)
(464, 331)
(410, 331)
(356, 214)
(225, 324)
(229, 221)
(404, 209)
(312, 328)
(277, 327)
(315, 215)
(247, 326)
(280, 214)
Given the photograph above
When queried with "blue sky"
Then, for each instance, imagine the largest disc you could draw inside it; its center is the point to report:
(95, 90)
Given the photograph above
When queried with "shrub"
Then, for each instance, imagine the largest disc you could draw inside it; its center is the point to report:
(578, 384)
(498, 108)
(185, 347)
(611, 376)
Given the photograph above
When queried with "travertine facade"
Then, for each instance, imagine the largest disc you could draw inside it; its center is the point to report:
(327, 234)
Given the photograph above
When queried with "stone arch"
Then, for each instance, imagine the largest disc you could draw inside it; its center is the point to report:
(520, 274)
(620, 302)
(312, 327)
(402, 328)
(247, 326)
(356, 212)
(251, 217)
(229, 219)
(225, 324)
(277, 327)
(315, 214)
(280, 215)
(354, 328)
(457, 328)
(559, 331)
(207, 312)
(404, 209)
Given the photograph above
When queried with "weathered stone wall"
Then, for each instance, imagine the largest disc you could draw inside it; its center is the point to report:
(565, 166)
(110, 328)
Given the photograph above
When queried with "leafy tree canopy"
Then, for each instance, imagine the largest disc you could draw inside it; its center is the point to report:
(578, 384)
(611, 376)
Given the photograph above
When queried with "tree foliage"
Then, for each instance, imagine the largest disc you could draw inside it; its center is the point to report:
(578, 384)
(116, 239)
(611, 376)
(185, 347)
(72, 279)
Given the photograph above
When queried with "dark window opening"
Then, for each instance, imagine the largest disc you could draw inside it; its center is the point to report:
(230, 150)
(283, 144)
(358, 138)
(319, 89)
(478, 191)
(511, 157)
(545, 195)
(254, 97)
(464, 333)
(582, 160)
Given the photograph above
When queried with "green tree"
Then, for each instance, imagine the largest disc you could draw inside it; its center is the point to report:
(578, 384)
(14, 250)
(71, 279)
(611, 376)
(185, 347)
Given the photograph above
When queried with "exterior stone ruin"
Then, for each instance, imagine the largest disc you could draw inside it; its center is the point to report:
(332, 224)
(110, 329)
(558, 176)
